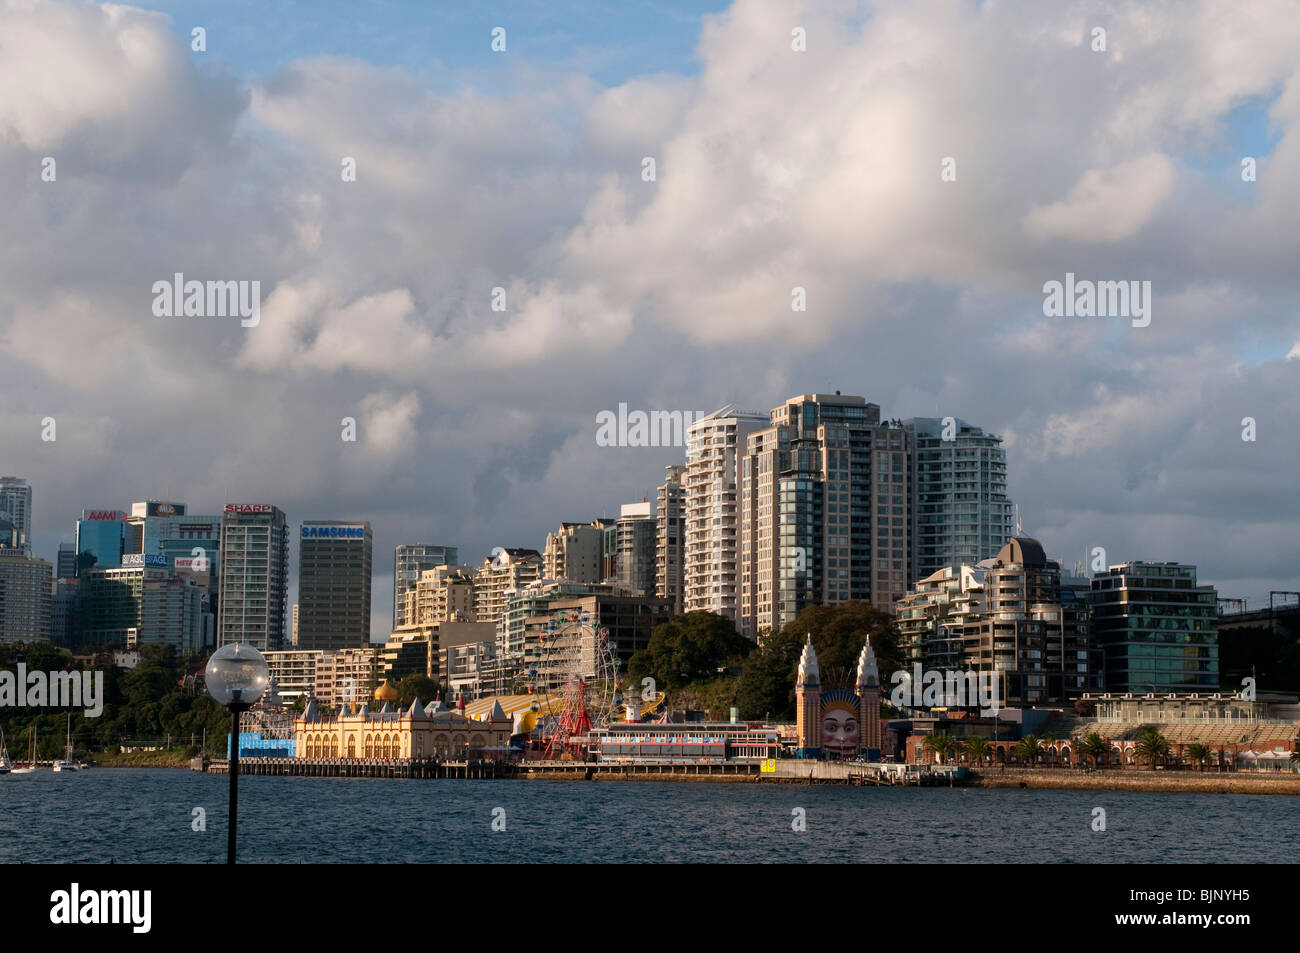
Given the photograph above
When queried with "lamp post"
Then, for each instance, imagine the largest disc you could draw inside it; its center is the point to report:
(236, 677)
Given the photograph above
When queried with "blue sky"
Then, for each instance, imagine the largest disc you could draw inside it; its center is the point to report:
(609, 41)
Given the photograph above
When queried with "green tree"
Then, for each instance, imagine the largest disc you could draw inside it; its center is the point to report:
(1198, 754)
(687, 649)
(1151, 745)
(416, 686)
(940, 744)
(977, 749)
(1094, 747)
(838, 632)
(1028, 749)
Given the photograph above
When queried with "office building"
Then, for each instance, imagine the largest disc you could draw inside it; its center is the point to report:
(628, 621)
(670, 540)
(254, 582)
(1157, 628)
(608, 549)
(142, 603)
(26, 587)
(65, 566)
(101, 539)
(16, 509)
(64, 611)
(9, 535)
(635, 532)
(823, 510)
(714, 446)
(334, 575)
(409, 561)
(173, 611)
(191, 543)
(959, 507)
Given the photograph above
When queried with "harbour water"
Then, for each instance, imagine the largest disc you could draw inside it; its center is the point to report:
(148, 816)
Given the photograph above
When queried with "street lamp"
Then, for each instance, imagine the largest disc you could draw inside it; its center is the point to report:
(236, 677)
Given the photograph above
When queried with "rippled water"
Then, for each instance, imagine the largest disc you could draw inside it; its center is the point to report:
(145, 816)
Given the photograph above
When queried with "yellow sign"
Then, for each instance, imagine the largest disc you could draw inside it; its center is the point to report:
(768, 766)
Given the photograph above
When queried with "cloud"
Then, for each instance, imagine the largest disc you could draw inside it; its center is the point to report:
(775, 170)
(1107, 205)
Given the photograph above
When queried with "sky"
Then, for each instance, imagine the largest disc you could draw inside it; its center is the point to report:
(775, 168)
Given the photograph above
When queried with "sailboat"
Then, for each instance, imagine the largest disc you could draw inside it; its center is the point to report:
(67, 764)
(5, 764)
(30, 766)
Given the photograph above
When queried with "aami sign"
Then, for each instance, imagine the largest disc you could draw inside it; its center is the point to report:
(102, 515)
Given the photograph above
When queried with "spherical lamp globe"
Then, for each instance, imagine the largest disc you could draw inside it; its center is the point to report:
(237, 674)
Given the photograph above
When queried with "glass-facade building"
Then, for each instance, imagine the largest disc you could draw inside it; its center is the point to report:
(959, 507)
(635, 533)
(1158, 629)
(100, 540)
(823, 510)
(254, 581)
(16, 508)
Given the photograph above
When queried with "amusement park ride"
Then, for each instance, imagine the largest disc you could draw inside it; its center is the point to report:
(574, 672)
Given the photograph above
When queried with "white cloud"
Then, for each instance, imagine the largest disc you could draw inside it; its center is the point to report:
(775, 169)
(1107, 205)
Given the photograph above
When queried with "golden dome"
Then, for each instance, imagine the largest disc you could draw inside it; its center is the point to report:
(385, 693)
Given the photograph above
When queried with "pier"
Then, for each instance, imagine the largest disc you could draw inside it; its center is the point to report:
(639, 770)
(362, 768)
(783, 771)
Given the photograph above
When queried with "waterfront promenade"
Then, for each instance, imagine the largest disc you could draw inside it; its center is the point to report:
(783, 771)
(778, 771)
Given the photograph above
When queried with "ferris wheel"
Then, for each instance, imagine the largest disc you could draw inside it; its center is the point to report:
(575, 669)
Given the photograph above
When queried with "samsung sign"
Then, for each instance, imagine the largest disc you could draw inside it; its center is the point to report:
(333, 532)
(143, 559)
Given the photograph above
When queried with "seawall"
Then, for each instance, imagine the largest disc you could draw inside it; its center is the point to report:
(1135, 779)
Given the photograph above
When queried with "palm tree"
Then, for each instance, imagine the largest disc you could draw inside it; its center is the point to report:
(1050, 739)
(1197, 753)
(1095, 747)
(1028, 748)
(1151, 745)
(939, 744)
(977, 749)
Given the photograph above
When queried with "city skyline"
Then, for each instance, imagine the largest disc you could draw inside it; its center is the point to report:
(707, 426)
